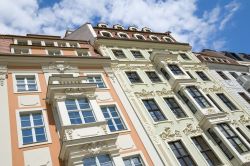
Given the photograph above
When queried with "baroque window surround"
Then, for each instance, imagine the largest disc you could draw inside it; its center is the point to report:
(19, 131)
(135, 153)
(91, 73)
(122, 33)
(101, 32)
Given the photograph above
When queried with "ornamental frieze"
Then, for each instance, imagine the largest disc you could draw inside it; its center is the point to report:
(144, 93)
(191, 129)
(244, 119)
(164, 92)
(169, 134)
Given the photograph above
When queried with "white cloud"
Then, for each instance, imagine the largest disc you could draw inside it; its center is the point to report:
(177, 16)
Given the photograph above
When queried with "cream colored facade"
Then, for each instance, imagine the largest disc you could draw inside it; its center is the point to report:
(156, 57)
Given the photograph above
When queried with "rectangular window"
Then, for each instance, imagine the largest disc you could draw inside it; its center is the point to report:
(184, 56)
(174, 106)
(202, 75)
(137, 54)
(97, 80)
(206, 151)
(233, 138)
(181, 154)
(215, 103)
(190, 75)
(165, 73)
(79, 111)
(175, 69)
(21, 51)
(223, 75)
(100, 160)
(36, 43)
(153, 76)
(49, 43)
(133, 77)
(222, 146)
(113, 118)
(133, 161)
(188, 102)
(243, 134)
(199, 98)
(26, 83)
(33, 128)
(234, 75)
(245, 97)
(154, 110)
(54, 52)
(119, 53)
(226, 101)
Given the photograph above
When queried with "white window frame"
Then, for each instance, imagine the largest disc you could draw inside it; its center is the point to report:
(102, 24)
(117, 25)
(158, 39)
(86, 73)
(126, 126)
(87, 53)
(101, 32)
(25, 74)
(137, 34)
(134, 154)
(132, 28)
(21, 49)
(47, 52)
(165, 38)
(19, 129)
(119, 34)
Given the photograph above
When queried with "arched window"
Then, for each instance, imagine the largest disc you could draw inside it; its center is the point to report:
(106, 34)
(145, 29)
(117, 26)
(139, 37)
(167, 39)
(132, 28)
(154, 38)
(123, 35)
(102, 25)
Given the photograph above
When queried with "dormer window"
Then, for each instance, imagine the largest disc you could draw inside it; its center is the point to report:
(154, 38)
(167, 39)
(54, 52)
(106, 34)
(145, 29)
(133, 28)
(118, 26)
(122, 35)
(102, 25)
(139, 37)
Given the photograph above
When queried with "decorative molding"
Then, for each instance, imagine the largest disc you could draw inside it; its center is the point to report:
(59, 98)
(60, 67)
(211, 111)
(69, 133)
(150, 130)
(244, 119)
(191, 129)
(144, 93)
(95, 147)
(168, 134)
(74, 92)
(196, 67)
(164, 92)
(235, 123)
(3, 74)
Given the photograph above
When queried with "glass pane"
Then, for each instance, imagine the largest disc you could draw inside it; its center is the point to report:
(41, 138)
(27, 140)
(89, 162)
(39, 130)
(26, 132)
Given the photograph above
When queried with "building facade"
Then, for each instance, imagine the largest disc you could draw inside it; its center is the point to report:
(60, 106)
(176, 97)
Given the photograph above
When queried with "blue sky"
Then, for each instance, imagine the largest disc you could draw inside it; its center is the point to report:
(213, 24)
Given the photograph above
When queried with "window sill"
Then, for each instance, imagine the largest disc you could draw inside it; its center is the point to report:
(24, 92)
(162, 122)
(120, 131)
(34, 144)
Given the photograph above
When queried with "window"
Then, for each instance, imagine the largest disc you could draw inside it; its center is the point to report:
(248, 126)
(244, 74)
(222, 146)
(190, 75)
(234, 75)
(22, 42)
(82, 53)
(243, 134)
(100, 160)
(62, 44)
(174, 106)
(133, 77)
(154, 38)
(26, 83)
(49, 43)
(74, 45)
(154, 110)
(184, 56)
(175, 69)
(137, 54)
(198, 97)
(97, 80)
(222, 75)
(202, 75)
(153, 76)
(181, 154)
(139, 37)
(215, 103)
(33, 128)
(244, 96)
(133, 161)
(113, 118)
(36, 43)
(233, 138)
(54, 52)
(206, 151)
(167, 39)
(79, 111)
(226, 101)
(122, 35)
(165, 73)
(106, 34)
(21, 51)
(188, 102)
(119, 53)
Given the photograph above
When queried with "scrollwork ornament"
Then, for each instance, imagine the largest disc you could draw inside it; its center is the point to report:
(144, 93)
(164, 92)
(244, 119)
(168, 134)
(190, 129)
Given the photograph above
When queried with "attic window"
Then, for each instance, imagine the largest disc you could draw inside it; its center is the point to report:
(106, 34)
(167, 39)
(103, 25)
(122, 35)
(118, 27)
(133, 28)
(139, 37)
(154, 38)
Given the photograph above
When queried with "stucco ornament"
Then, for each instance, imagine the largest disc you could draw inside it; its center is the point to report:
(74, 92)
(144, 93)
(60, 67)
(69, 134)
(150, 130)
(191, 129)
(164, 92)
(168, 134)
(234, 122)
(3, 72)
(95, 147)
(244, 119)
